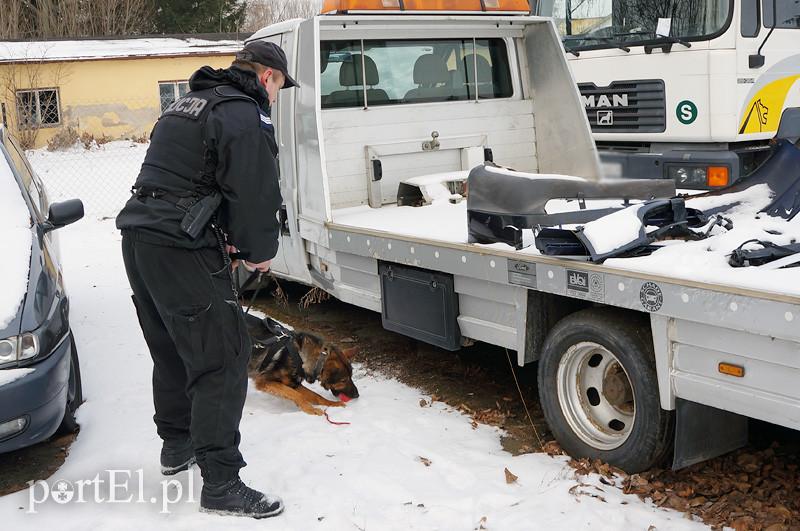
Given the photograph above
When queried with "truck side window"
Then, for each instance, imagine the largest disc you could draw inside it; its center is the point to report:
(788, 14)
(413, 71)
(751, 18)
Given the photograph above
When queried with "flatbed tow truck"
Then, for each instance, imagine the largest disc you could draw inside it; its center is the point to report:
(637, 363)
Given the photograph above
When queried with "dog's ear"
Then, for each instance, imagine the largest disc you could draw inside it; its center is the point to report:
(348, 353)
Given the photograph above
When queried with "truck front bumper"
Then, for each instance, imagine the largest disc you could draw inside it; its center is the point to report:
(699, 170)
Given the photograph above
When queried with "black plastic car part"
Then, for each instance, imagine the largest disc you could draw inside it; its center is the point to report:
(670, 217)
(767, 253)
(502, 202)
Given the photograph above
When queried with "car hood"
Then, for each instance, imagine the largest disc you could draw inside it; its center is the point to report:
(16, 241)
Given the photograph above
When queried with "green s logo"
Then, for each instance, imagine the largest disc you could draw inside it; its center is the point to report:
(686, 112)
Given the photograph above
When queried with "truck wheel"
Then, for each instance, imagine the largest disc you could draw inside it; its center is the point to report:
(599, 391)
(74, 393)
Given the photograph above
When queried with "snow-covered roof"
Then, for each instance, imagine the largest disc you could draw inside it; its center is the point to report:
(84, 50)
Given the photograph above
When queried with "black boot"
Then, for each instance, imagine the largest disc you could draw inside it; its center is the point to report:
(237, 499)
(176, 457)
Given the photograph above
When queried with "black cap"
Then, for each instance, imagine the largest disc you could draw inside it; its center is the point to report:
(267, 54)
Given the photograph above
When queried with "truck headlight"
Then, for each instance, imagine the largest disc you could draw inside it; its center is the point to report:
(698, 176)
(687, 176)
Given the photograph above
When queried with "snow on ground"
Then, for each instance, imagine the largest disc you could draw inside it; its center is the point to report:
(15, 241)
(101, 176)
(367, 475)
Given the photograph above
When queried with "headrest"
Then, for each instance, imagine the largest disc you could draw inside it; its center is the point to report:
(324, 57)
(484, 68)
(350, 73)
(430, 69)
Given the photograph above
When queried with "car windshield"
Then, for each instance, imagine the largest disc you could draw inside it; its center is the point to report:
(614, 23)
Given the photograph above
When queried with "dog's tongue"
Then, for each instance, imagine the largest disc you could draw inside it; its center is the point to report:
(344, 398)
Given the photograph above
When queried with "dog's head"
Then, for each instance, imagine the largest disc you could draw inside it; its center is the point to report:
(337, 372)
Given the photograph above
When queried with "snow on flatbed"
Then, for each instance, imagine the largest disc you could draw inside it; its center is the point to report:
(367, 475)
(701, 261)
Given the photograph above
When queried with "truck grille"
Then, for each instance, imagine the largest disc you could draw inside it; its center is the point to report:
(625, 106)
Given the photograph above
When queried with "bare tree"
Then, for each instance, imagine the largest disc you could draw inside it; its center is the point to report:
(46, 19)
(262, 13)
(13, 22)
(28, 106)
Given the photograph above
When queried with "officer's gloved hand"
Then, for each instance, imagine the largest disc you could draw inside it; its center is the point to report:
(262, 267)
(231, 249)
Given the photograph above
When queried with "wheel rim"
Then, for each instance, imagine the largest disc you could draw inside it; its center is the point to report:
(596, 395)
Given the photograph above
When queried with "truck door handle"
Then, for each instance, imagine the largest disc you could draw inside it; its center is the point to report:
(283, 218)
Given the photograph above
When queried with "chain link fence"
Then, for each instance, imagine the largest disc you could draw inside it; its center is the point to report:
(96, 154)
(100, 176)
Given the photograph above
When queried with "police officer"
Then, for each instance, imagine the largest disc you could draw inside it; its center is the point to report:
(208, 185)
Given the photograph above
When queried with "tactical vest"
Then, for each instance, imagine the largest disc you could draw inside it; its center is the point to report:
(178, 159)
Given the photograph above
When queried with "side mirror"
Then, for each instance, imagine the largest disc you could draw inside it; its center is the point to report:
(755, 60)
(63, 213)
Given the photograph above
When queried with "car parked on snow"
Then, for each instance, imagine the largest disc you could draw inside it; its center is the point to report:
(40, 382)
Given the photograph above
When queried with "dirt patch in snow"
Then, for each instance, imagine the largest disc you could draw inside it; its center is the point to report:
(33, 463)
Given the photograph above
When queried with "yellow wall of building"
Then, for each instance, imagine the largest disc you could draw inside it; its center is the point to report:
(116, 98)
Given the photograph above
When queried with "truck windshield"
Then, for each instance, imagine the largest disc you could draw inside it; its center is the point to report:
(610, 23)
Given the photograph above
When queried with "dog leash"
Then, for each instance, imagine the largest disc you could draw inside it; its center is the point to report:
(255, 276)
(334, 422)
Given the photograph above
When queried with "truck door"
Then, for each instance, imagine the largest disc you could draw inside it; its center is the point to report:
(771, 84)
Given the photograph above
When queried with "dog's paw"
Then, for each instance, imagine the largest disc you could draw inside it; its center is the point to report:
(313, 411)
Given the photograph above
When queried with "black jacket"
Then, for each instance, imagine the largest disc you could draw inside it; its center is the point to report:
(219, 136)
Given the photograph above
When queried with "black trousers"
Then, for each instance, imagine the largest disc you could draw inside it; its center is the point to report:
(198, 340)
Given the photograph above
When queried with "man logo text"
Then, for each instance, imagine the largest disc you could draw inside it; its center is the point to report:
(596, 102)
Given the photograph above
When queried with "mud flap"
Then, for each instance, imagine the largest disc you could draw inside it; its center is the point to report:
(421, 304)
(703, 432)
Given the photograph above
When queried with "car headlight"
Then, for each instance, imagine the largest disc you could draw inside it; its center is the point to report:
(8, 350)
(18, 348)
(28, 346)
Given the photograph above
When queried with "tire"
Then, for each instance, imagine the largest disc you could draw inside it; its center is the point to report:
(599, 391)
(74, 393)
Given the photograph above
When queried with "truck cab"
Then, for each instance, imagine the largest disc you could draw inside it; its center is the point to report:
(393, 93)
(691, 90)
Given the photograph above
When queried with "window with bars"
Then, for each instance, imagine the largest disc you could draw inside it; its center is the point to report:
(169, 91)
(38, 108)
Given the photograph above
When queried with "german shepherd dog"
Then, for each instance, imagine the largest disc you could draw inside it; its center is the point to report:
(282, 359)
